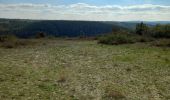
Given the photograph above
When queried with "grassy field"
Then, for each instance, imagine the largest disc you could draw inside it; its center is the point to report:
(84, 70)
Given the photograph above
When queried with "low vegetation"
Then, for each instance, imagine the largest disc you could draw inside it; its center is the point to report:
(11, 41)
(162, 43)
(113, 92)
(40, 35)
(143, 34)
(84, 70)
(160, 31)
(157, 31)
(48, 68)
(116, 38)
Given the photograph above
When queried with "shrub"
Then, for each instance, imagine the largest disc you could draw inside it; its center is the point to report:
(11, 41)
(8, 45)
(8, 41)
(114, 39)
(145, 39)
(162, 43)
(121, 38)
(5, 38)
(40, 35)
(161, 31)
(113, 93)
(157, 31)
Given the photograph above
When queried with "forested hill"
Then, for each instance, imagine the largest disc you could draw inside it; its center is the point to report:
(28, 28)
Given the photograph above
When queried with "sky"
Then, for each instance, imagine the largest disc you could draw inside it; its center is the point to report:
(96, 10)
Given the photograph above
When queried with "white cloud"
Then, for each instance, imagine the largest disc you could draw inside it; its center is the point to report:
(82, 11)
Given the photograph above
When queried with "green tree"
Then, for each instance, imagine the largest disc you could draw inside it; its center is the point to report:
(161, 31)
(142, 29)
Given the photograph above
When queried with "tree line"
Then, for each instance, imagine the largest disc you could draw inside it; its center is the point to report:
(157, 31)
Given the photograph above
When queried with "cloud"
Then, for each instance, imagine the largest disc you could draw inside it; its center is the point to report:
(23, 6)
(82, 11)
(148, 7)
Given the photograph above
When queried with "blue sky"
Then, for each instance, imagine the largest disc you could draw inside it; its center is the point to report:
(105, 10)
(93, 2)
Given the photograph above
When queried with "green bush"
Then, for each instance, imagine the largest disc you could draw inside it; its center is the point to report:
(8, 41)
(5, 38)
(145, 39)
(11, 41)
(122, 38)
(115, 39)
(161, 31)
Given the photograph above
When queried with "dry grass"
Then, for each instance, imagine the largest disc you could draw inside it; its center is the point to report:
(162, 43)
(113, 92)
(62, 77)
(17, 43)
(84, 70)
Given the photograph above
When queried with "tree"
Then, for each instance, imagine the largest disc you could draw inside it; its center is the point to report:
(161, 31)
(142, 29)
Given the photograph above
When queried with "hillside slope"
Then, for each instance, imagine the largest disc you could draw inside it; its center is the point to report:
(28, 28)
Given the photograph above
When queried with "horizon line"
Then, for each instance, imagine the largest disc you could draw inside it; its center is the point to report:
(87, 20)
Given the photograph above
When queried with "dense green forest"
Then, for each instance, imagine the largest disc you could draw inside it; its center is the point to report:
(28, 28)
(61, 28)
